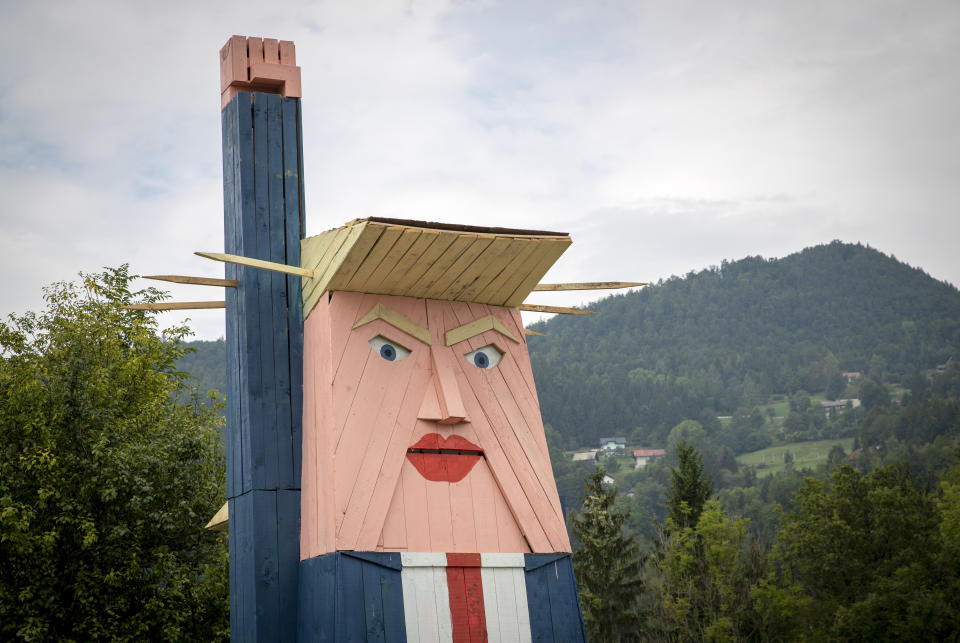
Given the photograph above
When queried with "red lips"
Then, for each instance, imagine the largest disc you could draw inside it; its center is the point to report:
(444, 460)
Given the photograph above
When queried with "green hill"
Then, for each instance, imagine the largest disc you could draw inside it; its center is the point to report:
(726, 338)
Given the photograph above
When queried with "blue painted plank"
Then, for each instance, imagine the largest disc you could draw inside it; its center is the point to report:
(266, 561)
(395, 626)
(288, 549)
(318, 586)
(294, 231)
(538, 601)
(232, 441)
(265, 459)
(250, 378)
(278, 284)
(350, 601)
(373, 602)
(243, 621)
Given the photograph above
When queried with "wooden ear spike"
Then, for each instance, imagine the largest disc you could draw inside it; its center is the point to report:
(200, 281)
(256, 263)
(562, 310)
(177, 305)
(591, 285)
(220, 520)
(527, 331)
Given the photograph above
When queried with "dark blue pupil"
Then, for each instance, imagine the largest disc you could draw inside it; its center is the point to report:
(481, 360)
(388, 352)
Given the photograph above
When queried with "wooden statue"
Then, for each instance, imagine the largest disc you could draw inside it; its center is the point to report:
(388, 477)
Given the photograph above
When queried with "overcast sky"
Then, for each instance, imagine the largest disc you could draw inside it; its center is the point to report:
(664, 136)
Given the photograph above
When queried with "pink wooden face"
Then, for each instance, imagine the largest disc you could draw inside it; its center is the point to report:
(416, 447)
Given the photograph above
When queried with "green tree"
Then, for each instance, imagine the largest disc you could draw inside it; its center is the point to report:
(690, 487)
(106, 479)
(608, 566)
(869, 551)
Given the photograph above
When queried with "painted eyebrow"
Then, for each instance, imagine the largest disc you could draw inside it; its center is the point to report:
(474, 328)
(396, 320)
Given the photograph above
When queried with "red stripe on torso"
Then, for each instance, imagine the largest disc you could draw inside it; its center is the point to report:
(466, 598)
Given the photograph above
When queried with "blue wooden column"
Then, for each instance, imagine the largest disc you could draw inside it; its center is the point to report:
(263, 219)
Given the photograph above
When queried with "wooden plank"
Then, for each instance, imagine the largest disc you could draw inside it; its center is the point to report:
(475, 327)
(443, 263)
(520, 253)
(374, 257)
(401, 270)
(484, 491)
(255, 263)
(288, 554)
(314, 288)
(177, 305)
(411, 281)
(548, 253)
(242, 582)
(318, 599)
(566, 619)
(494, 559)
(358, 254)
(220, 520)
(231, 375)
(373, 617)
(398, 320)
(351, 601)
(461, 515)
(493, 267)
(446, 280)
(266, 559)
(249, 322)
(394, 534)
(279, 338)
(266, 457)
(393, 617)
(538, 605)
(491, 605)
(380, 280)
(590, 285)
(293, 230)
(200, 281)
(521, 608)
(411, 605)
(484, 263)
(512, 280)
(527, 331)
(562, 310)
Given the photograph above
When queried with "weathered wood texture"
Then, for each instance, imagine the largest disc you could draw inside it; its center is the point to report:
(554, 608)
(382, 258)
(351, 596)
(263, 220)
(362, 490)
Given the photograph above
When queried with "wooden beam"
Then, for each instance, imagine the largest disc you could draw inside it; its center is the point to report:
(392, 317)
(200, 281)
(477, 326)
(562, 310)
(220, 520)
(256, 263)
(527, 331)
(591, 285)
(177, 305)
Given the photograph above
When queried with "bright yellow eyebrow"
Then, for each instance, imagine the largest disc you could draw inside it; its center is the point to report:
(477, 326)
(396, 320)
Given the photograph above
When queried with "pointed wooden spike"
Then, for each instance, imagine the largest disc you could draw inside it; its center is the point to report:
(177, 305)
(562, 310)
(591, 285)
(527, 331)
(220, 520)
(200, 281)
(256, 263)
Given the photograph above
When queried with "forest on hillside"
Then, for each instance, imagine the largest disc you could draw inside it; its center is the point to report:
(725, 339)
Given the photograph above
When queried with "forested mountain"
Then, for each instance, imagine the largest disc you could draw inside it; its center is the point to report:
(727, 337)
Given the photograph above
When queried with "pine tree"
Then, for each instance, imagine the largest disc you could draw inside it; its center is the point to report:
(690, 487)
(608, 566)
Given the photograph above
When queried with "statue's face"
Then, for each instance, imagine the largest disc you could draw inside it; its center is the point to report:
(422, 430)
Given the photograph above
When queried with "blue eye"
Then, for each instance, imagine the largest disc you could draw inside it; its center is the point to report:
(388, 349)
(486, 357)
